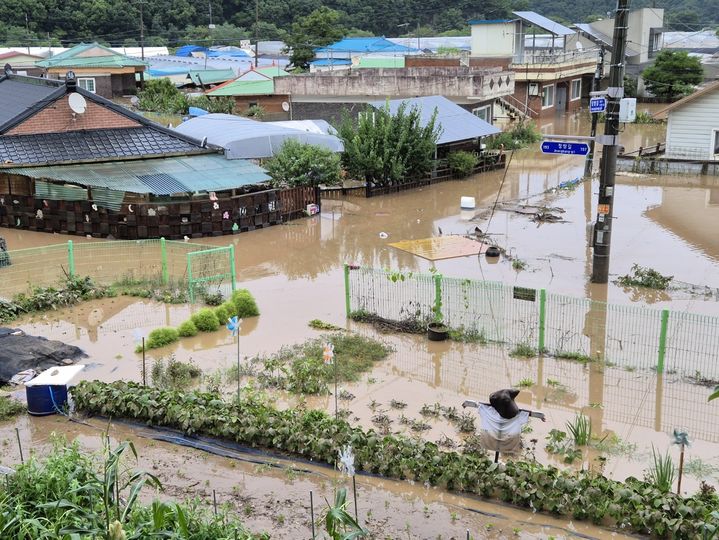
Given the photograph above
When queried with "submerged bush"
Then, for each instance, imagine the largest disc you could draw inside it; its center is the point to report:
(299, 164)
(187, 329)
(173, 374)
(522, 134)
(245, 305)
(159, 337)
(462, 163)
(205, 320)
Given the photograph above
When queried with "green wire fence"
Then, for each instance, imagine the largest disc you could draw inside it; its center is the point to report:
(633, 337)
(159, 261)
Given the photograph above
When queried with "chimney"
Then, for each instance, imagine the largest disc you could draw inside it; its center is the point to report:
(70, 82)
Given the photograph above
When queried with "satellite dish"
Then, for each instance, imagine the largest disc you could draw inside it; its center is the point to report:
(285, 106)
(77, 103)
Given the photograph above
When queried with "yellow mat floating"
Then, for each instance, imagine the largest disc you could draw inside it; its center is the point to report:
(441, 247)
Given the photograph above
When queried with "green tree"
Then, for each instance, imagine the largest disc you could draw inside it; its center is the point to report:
(674, 74)
(298, 164)
(385, 149)
(222, 34)
(319, 28)
(450, 19)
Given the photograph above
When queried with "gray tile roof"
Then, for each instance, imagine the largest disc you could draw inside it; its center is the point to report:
(95, 145)
(17, 96)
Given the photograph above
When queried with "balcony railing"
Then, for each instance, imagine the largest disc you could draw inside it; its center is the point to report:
(551, 58)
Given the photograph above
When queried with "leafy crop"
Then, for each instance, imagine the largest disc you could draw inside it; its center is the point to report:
(205, 320)
(633, 505)
(245, 305)
(159, 337)
(173, 374)
(10, 407)
(645, 277)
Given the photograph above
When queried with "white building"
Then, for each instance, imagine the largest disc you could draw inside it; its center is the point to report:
(693, 125)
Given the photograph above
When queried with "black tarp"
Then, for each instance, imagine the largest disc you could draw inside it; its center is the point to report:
(21, 352)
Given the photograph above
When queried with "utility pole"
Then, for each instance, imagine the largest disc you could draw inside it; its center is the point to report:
(598, 74)
(257, 30)
(608, 163)
(418, 47)
(142, 42)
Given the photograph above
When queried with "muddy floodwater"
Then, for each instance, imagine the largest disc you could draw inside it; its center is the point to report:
(668, 223)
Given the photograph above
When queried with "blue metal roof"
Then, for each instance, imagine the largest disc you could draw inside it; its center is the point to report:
(456, 123)
(187, 50)
(331, 62)
(366, 45)
(162, 176)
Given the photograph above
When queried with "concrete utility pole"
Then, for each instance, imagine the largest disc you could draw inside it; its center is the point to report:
(142, 43)
(608, 164)
(598, 74)
(257, 30)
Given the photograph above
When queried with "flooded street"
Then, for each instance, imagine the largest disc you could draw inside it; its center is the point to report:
(295, 271)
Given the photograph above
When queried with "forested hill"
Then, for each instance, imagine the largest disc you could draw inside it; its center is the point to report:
(173, 22)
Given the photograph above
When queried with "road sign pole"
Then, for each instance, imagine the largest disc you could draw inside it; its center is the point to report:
(608, 163)
(589, 164)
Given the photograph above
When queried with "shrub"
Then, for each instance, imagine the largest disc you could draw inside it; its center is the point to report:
(521, 135)
(173, 374)
(10, 407)
(205, 320)
(222, 314)
(187, 329)
(245, 304)
(298, 164)
(462, 163)
(214, 299)
(160, 337)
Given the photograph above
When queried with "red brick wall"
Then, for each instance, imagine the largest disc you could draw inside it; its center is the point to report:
(57, 117)
(440, 61)
(535, 102)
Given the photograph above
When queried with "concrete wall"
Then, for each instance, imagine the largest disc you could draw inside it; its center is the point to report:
(691, 128)
(493, 39)
(641, 21)
(667, 166)
(272, 105)
(404, 82)
(454, 61)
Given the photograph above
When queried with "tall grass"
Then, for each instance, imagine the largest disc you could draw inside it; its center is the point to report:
(580, 429)
(662, 471)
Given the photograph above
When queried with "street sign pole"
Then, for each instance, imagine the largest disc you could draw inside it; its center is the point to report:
(608, 163)
(589, 164)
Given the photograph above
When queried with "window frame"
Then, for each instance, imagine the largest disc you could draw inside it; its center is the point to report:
(487, 109)
(547, 87)
(94, 84)
(715, 143)
(571, 89)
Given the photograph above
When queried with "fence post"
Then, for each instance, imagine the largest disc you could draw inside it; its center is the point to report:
(165, 270)
(348, 306)
(71, 258)
(189, 278)
(233, 272)
(438, 296)
(542, 318)
(662, 341)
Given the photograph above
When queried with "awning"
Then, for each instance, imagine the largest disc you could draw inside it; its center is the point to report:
(163, 176)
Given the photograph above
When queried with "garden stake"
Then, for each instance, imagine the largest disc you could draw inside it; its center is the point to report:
(238, 368)
(312, 514)
(681, 470)
(336, 411)
(214, 500)
(233, 325)
(19, 445)
(682, 439)
(144, 381)
(467, 534)
(354, 491)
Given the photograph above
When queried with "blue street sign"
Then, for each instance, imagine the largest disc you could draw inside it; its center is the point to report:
(597, 104)
(559, 147)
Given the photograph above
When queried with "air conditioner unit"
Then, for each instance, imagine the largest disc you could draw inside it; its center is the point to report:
(533, 89)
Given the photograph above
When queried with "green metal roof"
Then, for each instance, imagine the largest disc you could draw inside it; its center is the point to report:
(390, 62)
(162, 176)
(244, 88)
(70, 58)
(211, 76)
(272, 71)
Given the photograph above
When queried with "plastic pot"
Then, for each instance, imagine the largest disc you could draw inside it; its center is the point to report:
(436, 331)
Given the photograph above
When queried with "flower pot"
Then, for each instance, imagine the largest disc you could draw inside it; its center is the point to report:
(436, 331)
(492, 251)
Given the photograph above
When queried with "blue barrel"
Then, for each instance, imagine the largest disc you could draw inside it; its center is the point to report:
(45, 399)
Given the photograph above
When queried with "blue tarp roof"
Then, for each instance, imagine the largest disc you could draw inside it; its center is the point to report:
(366, 45)
(331, 62)
(187, 50)
(457, 124)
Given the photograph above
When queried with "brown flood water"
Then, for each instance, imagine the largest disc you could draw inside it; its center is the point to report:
(295, 272)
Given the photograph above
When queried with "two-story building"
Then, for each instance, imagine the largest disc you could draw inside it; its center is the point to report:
(550, 75)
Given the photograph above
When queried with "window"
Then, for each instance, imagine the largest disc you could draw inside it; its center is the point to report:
(252, 104)
(575, 89)
(715, 133)
(547, 96)
(87, 84)
(485, 113)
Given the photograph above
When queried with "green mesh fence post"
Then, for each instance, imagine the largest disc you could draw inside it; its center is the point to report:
(71, 258)
(165, 271)
(233, 272)
(663, 341)
(348, 307)
(438, 297)
(542, 317)
(189, 278)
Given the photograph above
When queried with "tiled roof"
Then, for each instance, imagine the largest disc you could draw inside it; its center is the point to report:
(19, 94)
(71, 58)
(79, 146)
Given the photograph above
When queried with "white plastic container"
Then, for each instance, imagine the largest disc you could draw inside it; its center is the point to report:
(467, 203)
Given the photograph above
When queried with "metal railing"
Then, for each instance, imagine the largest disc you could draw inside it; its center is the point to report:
(555, 58)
